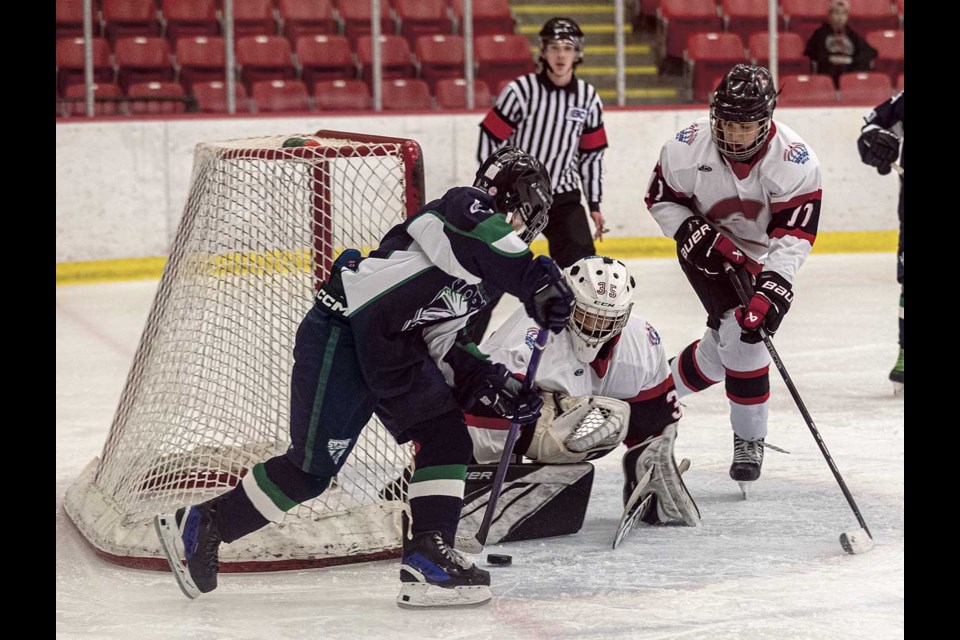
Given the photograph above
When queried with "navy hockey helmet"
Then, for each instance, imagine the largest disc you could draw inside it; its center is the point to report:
(564, 30)
(520, 184)
(745, 95)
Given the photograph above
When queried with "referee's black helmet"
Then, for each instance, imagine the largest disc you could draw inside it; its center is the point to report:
(564, 30)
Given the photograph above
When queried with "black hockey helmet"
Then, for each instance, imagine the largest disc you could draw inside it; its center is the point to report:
(564, 30)
(519, 183)
(746, 94)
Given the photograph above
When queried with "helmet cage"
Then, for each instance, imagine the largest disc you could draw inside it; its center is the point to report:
(604, 290)
(746, 94)
(521, 186)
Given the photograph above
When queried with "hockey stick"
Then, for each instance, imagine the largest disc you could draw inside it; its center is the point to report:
(896, 167)
(475, 544)
(858, 541)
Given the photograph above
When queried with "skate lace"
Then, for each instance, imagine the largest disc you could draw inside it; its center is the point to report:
(451, 553)
(746, 451)
(209, 545)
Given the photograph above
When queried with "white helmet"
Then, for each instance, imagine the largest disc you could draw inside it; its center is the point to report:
(604, 291)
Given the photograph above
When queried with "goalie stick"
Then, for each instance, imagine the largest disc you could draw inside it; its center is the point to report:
(475, 544)
(632, 511)
(857, 541)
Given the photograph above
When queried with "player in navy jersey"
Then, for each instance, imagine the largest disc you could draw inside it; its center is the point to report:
(367, 347)
(743, 189)
(879, 145)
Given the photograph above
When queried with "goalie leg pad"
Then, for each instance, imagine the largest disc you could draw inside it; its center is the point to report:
(652, 460)
(574, 429)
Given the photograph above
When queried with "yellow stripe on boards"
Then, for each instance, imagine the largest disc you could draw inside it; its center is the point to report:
(101, 271)
(534, 29)
(664, 92)
(605, 49)
(639, 70)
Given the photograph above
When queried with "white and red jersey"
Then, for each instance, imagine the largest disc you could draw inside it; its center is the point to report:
(631, 367)
(769, 206)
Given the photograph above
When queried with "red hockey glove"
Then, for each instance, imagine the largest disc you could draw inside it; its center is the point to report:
(766, 308)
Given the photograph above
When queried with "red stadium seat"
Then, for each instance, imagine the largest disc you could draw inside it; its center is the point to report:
(264, 58)
(211, 97)
(253, 18)
(867, 88)
(325, 57)
(69, 18)
(190, 18)
(156, 98)
(899, 84)
(680, 18)
(200, 59)
(440, 56)
(803, 17)
(710, 55)
(871, 15)
(451, 93)
(356, 19)
(489, 17)
(422, 18)
(889, 46)
(71, 60)
(280, 96)
(341, 95)
(395, 58)
(306, 18)
(745, 17)
(502, 57)
(143, 59)
(105, 100)
(123, 18)
(403, 94)
(790, 46)
(804, 90)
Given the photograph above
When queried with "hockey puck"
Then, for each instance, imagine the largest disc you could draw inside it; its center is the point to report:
(499, 559)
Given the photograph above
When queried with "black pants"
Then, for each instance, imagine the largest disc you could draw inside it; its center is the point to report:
(568, 233)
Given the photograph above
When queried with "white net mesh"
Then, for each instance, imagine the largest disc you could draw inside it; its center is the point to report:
(208, 394)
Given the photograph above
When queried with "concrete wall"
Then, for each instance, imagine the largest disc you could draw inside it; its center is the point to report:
(122, 184)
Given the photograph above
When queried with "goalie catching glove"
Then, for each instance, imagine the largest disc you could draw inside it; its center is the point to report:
(574, 429)
(652, 460)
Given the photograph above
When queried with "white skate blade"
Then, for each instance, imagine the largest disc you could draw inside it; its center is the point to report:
(898, 389)
(857, 541)
(419, 595)
(169, 534)
(745, 488)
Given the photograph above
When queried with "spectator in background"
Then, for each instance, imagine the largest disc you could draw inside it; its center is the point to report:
(835, 48)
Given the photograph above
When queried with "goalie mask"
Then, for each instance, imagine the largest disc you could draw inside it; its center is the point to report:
(741, 110)
(604, 291)
(521, 186)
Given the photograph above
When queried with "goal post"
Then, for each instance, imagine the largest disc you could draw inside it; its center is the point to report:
(207, 395)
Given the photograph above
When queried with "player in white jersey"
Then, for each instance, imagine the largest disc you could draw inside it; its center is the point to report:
(738, 188)
(604, 380)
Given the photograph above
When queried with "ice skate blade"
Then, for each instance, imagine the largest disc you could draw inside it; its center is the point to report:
(169, 535)
(898, 389)
(418, 595)
(745, 488)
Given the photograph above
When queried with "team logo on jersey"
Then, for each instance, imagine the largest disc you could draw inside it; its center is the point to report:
(576, 114)
(531, 338)
(652, 335)
(689, 134)
(704, 167)
(336, 449)
(797, 152)
(454, 301)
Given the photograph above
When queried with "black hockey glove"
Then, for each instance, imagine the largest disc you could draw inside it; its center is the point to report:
(766, 308)
(501, 393)
(552, 302)
(701, 246)
(878, 148)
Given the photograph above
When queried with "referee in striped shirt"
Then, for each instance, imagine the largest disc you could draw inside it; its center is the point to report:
(558, 118)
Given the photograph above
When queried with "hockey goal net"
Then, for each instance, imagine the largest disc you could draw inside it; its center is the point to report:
(207, 396)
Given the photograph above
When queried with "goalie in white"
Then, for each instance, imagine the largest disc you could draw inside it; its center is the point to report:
(604, 380)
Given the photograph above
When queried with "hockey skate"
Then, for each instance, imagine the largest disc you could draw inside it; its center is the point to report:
(190, 541)
(434, 574)
(896, 375)
(747, 460)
